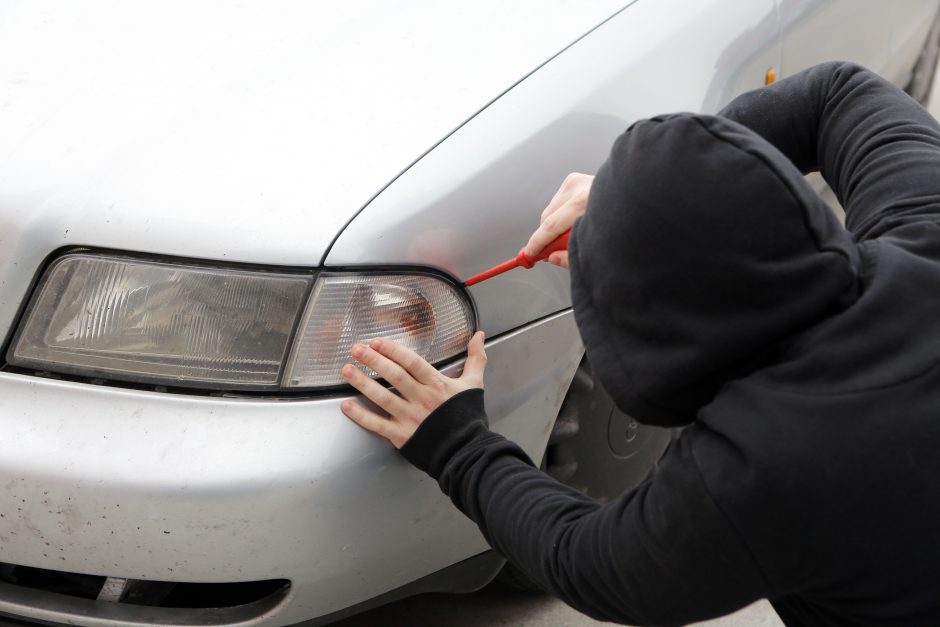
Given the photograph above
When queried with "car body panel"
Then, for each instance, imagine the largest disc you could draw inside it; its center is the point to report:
(186, 488)
(243, 132)
(476, 198)
(908, 31)
(885, 37)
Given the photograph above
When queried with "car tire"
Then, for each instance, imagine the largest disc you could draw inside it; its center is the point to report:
(595, 448)
(922, 74)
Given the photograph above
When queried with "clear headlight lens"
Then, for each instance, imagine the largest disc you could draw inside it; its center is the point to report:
(189, 325)
(156, 321)
(423, 313)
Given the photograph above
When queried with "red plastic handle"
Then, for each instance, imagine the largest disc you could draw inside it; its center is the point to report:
(559, 243)
(522, 259)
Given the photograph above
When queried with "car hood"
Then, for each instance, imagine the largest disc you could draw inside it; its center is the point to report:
(248, 131)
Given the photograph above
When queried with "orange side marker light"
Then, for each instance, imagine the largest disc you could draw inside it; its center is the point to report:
(771, 76)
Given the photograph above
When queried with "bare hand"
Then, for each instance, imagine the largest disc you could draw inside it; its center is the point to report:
(421, 388)
(570, 201)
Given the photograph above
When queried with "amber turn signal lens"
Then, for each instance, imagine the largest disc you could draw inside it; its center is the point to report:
(422, 312)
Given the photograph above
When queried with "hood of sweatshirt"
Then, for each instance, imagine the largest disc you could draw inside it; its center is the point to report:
(702, 248)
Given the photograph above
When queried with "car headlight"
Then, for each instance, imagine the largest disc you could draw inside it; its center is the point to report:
(423, 313)
(190, 325)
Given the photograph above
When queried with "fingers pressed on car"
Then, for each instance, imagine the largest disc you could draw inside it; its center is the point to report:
(423, 389)
(374, 391)
(392, 372)
(385, 427)
(413, 364)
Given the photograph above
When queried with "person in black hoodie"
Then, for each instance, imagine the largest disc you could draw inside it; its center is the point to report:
(714, 289)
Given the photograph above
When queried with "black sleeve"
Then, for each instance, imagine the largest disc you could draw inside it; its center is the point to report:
(660, 554)
(878, 149)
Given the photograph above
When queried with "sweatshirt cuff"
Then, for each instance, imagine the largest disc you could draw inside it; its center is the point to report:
(447, 429)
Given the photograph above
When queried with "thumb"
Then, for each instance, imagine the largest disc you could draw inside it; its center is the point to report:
(476, 362)
(559, 258)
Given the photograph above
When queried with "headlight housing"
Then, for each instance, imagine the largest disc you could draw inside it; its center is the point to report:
(423, 313)
(184, 324)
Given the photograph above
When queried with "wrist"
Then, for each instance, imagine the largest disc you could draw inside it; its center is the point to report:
(445, 431)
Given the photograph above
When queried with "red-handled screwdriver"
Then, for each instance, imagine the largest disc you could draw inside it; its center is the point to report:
(522, 259)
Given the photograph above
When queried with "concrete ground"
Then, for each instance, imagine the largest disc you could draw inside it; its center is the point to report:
(495, 605)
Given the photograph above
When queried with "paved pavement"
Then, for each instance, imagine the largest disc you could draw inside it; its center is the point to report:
(496, 605)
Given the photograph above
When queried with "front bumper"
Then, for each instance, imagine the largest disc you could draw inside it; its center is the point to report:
(156, 486)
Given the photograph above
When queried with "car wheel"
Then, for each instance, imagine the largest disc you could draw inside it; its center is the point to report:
(925, 67)
(595, 448)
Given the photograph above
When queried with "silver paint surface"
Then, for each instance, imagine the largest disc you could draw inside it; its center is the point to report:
(181, 488)
(237, 131)
(475, 199)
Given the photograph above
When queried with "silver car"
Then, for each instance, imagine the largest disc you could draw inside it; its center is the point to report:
(204, 204)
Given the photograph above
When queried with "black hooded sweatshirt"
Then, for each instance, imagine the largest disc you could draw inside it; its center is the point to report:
(713, 288)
